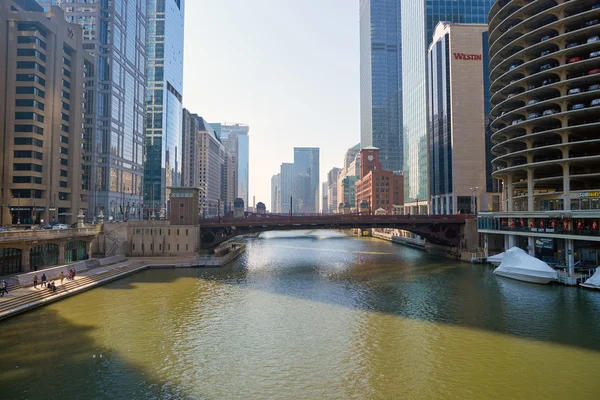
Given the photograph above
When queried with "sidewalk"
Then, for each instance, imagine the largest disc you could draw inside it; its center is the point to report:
(22, 299)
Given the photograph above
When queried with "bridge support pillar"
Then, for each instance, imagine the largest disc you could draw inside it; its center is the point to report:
(26, 259)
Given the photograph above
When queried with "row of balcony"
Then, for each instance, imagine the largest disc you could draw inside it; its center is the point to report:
(537, 43)
(547, 74)
(537, 16)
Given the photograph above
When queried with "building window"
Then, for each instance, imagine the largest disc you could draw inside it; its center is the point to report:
(31, 53)
(177, 246)
(169, 246)
(186, 232)
(186, 246)
(30, 90)
(29, 128)
(133, 246)
(169, 233)
(177, 234)
(180, 205)
(181, 217)
(28, 142)
(29, 115)
(31, 65)
(142, 246)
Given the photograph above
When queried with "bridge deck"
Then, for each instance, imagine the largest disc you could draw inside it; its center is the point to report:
(334, 219)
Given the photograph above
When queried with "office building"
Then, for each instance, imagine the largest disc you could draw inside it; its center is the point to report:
(457, 120)
(164, 89)
(306, 180)
(115, 34)
(43, 70)
(419, 19)
(228, 168)
(236, 140)
(286, 175)
(204, 170)
(331, 189)
(543, 77)
(275, 194)
(347, 177)
(324, 198)
(380, 80)
(378, 189)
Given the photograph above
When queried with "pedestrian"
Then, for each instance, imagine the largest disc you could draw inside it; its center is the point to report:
(44, 280)
(3, 288)
(73, 269)
(62, 276)
(52, 286)
(35, 279)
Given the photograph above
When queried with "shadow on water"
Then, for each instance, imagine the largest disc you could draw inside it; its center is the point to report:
(414, 284)
(39, 346)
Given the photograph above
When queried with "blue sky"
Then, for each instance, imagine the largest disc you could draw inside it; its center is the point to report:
(287, 68)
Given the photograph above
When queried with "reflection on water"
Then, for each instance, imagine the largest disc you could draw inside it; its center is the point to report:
(310, 315)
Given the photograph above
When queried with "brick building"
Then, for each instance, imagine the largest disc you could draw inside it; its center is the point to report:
(378, 187)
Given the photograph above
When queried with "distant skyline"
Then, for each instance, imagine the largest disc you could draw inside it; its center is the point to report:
(290, 70)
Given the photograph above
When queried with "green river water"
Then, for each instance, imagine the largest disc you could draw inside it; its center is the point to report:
(310, 315)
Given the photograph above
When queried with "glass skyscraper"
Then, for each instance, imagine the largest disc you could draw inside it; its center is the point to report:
(380, 80)
(164, 46)
(236, 140)
(419, 18)
(306, 180)
(114, 32)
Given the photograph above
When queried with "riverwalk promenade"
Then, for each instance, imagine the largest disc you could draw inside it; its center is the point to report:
(25, 297)
(21, 299)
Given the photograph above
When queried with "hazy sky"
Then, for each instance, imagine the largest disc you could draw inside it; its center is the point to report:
(287, 68)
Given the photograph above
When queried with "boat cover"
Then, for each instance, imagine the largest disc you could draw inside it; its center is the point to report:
(594, 280)
(517, 261)
(496, 257)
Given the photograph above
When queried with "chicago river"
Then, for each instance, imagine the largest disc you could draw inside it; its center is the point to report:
(310, 315)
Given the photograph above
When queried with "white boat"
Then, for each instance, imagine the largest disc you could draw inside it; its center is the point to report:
(496, 259)
(593, 282)
(517, 264)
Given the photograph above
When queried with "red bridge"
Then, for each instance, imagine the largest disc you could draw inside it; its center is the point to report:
(439, 229)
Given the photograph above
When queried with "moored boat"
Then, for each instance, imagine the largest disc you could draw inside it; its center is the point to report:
(592, 282)
(517, 264)
(496, 259)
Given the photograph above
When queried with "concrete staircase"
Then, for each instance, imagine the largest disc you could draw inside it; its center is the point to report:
(36, 298)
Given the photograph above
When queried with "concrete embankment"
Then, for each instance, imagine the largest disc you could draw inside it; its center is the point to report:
(419, 244)
(26, 297)
(444, 251)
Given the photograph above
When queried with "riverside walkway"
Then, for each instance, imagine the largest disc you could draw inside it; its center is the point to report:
(21, 299)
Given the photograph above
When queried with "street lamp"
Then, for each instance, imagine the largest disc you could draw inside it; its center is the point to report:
(474, 200)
